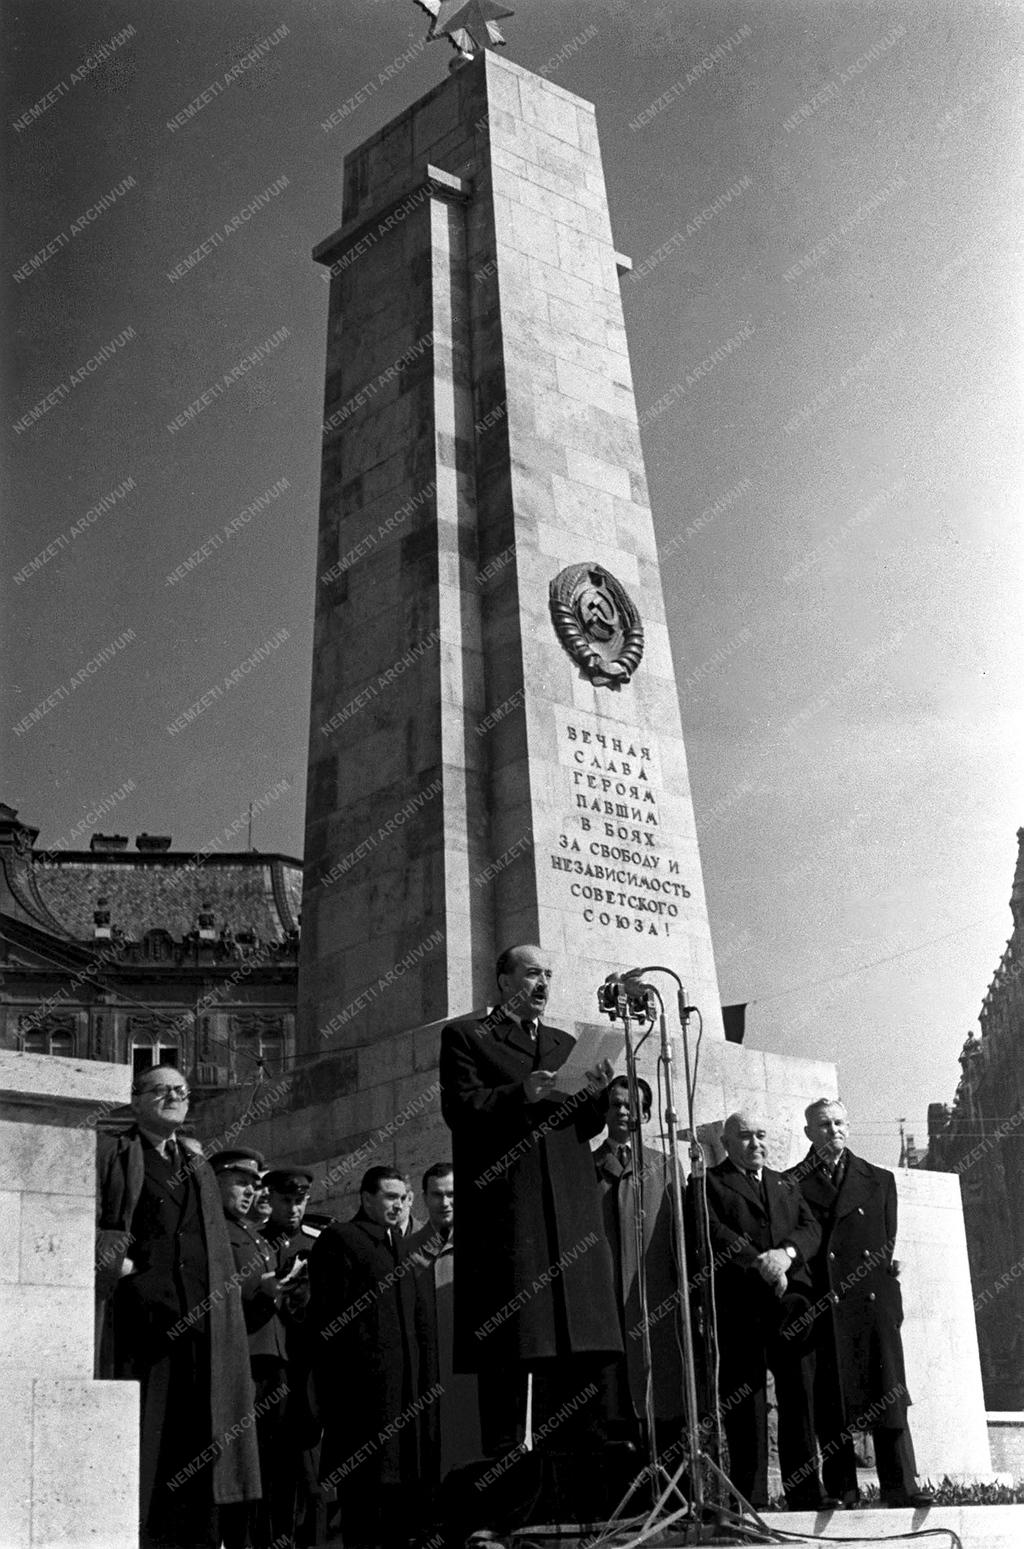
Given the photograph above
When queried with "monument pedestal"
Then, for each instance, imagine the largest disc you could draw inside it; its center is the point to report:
(70, 1475)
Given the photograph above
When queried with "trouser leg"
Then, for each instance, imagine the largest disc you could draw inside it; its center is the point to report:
(502, 1393)
(742, 1391)
(798, 1452)
(838, 1454)
(894, 1459)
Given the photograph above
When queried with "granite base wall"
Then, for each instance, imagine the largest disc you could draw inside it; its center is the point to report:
(70, 1474)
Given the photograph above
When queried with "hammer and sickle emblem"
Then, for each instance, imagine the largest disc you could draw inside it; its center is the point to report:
(598, 613)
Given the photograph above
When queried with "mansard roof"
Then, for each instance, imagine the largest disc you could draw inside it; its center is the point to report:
(166, 890)
(58, 891)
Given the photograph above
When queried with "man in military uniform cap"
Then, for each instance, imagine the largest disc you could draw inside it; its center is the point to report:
(288, 1191)
(298, 1469)
(238, 1175)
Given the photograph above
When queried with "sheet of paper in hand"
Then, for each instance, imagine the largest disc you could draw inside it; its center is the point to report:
(587, 1052)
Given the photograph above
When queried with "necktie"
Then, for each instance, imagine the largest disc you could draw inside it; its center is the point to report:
(624, 1157)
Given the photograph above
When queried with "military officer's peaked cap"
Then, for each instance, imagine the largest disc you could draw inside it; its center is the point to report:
(241, 1159)
(284, 1179)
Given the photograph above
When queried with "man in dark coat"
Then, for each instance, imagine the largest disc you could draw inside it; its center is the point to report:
(365, 1366)
(533, 1274)
(170, 1315)
(238, 1174)
(292, 1239)
(625, 1169)
(762, 1236)
(860, 1382)
(453, 1423)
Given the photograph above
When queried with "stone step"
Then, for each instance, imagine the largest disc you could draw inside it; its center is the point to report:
(976, 1527)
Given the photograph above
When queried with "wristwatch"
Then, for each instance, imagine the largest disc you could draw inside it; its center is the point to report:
(789, 1248)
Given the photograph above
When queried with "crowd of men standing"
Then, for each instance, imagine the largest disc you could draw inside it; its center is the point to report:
(378, 1380)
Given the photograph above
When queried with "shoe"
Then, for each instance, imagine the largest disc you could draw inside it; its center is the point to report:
(818, 1502)
(850, 1500)
(918, 1499)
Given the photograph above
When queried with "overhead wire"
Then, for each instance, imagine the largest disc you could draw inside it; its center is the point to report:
(875, 962)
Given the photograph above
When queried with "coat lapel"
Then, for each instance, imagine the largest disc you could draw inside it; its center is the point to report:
(511, 1031)
(857, 1187)
(737, 1179)
(816, 1188)
(773, 1187)
(607, 1162)
(135, 1175)
(555, 1047)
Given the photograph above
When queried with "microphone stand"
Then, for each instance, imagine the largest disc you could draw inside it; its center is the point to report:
(654, 1468)
(697, 1459)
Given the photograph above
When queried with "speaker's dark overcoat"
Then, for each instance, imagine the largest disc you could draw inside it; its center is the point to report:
(533, 1270)
(857, 1294)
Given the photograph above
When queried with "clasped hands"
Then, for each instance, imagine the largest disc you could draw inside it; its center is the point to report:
(773, 1267)
(540, 1082)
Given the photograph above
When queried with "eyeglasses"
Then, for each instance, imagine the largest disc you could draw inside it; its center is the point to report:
(163, 1091)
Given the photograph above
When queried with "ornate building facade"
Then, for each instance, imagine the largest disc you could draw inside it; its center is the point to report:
(149, 955)
(981, 1137)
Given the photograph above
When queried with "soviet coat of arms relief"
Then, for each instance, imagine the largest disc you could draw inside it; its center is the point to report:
(597, 623)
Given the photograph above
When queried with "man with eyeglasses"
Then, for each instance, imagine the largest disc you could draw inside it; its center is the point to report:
(170, 1316)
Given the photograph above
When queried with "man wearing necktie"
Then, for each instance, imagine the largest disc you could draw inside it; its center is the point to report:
(170, 1316)
(533, 1275)
(762, 1236)
(623, 1163)
(454, 1421)
(365, 1360)
(859, 1369)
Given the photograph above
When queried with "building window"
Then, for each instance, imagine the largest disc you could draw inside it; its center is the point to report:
(158, 946)
(145, 1055)
(54, 1035)
(151, 1039)
(257, 1044)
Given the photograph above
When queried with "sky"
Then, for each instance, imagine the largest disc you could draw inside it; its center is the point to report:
(836, 184)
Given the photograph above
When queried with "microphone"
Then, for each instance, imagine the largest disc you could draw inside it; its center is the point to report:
(622, 994)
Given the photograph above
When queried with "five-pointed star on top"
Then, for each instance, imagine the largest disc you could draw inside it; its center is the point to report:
(469, 25)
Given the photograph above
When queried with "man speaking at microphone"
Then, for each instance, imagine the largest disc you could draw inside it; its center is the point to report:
(534, 1287)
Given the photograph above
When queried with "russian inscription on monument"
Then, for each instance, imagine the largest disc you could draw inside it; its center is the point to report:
(614, 853)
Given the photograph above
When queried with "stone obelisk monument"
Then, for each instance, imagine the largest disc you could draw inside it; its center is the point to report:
(495, 746)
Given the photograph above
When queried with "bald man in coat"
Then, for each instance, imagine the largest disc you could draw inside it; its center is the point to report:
(534, 1288)
(762, 1236)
